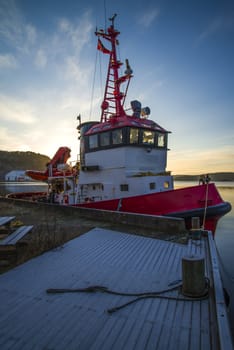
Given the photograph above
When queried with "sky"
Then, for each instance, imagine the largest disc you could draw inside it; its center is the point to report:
(181, 54)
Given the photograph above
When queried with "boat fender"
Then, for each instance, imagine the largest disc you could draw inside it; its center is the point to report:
(65, 199)
(88, 199)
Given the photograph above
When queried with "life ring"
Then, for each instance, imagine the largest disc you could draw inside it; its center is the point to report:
(65, 199)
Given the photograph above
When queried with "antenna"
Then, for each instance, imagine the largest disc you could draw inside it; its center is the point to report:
(112, 19)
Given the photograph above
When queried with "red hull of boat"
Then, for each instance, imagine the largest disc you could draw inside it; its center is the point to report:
(197, 201)
(185, 202)
(30, 196)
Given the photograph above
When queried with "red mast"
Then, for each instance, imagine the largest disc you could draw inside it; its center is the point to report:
(112, 105)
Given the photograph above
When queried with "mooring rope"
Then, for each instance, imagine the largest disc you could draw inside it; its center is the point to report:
(205, 208)
(92, 90)
(176, 285)
(103, 289)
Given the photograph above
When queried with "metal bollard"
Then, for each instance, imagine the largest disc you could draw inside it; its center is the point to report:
(193, 275)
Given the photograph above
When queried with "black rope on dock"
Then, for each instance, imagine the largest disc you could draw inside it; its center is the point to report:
(103, 289)
(176, 285)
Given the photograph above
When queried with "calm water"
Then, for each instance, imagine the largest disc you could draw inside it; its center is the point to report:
(224, 236)
(11, 187)
(225, 244)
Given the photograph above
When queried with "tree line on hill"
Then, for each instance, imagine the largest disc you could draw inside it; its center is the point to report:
(21, 161)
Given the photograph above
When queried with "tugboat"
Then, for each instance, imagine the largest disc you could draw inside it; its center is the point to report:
(123, 158)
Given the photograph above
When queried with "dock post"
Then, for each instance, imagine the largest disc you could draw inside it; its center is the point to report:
(196, 223)
(193, 275)
(195, 228)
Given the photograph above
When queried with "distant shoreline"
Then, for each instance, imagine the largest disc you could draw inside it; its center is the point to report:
(221, 177)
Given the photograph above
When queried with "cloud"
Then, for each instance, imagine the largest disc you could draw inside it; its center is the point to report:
(41, 58)
(148, 17)
(14, 30)
(20, 37)
(31, 34)
(15, 110)
(75, 70)
(10, 142)
(10, 21)
(61, 51)
(213, 27)
(5, 139)
(8, 61)
(218, 24)
(79, 33)
(28, 42)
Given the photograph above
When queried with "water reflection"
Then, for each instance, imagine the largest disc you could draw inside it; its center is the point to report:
(12, 187)
(224, 238)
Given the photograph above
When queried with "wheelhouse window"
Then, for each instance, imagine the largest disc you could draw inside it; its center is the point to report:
(134, 135)
(93, 141)
(161, 140)
(117, 136)
(166, 184)
(124, 187)
(105, 139)
(148, 137)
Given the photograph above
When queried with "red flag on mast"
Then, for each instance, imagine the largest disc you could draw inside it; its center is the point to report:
(101, 47)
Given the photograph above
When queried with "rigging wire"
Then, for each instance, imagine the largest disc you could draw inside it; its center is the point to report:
(100, 73)
(92, 90)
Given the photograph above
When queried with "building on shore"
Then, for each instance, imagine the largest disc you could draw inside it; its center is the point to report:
(17, 176)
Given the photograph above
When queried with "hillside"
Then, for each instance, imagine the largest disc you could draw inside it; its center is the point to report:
(21, 161)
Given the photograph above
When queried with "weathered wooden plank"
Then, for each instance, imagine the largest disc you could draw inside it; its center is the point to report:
(14, 237)
(143, 336)
(6, 220)
(195, 336)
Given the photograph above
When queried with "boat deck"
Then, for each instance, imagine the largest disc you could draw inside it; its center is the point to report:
(30, 318)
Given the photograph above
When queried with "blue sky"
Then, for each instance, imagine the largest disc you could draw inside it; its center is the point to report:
(181, 53)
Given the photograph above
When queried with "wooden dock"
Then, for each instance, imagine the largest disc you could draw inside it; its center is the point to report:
(31, 318)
